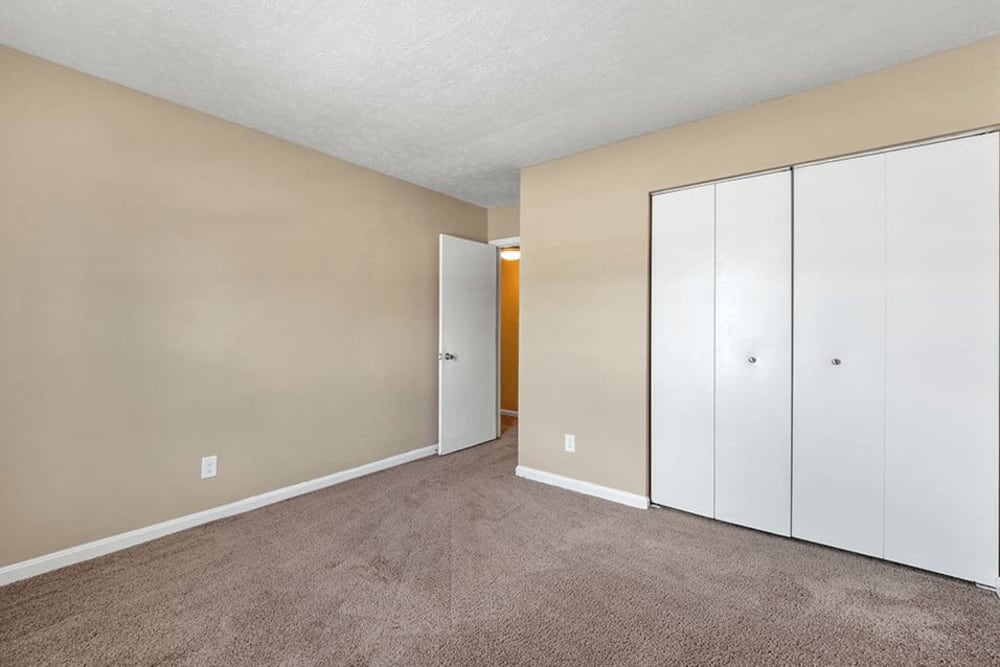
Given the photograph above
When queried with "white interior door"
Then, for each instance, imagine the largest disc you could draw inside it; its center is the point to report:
(839, 368)
(683, 350)
(941, 457)
(468, 408)
(753, 349)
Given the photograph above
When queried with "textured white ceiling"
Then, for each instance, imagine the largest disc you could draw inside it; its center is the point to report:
(456, 95)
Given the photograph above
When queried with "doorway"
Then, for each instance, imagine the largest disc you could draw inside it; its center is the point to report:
(478, 345)
(510, 268)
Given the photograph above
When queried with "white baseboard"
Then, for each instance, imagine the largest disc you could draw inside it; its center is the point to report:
(82, 552)
(509, 413)
(991, 587)
(605, 492)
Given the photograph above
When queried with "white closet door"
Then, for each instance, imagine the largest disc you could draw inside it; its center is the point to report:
(839, 367)
(682, 349)
(753, 352)
(942, 358)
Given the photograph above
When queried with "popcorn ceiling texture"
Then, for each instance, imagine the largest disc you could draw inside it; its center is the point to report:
(457, 95)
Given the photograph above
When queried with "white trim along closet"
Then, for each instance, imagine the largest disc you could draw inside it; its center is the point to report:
(825, 353)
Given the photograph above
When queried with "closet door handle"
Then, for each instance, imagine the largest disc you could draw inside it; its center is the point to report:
(752, 360)
(836, 362)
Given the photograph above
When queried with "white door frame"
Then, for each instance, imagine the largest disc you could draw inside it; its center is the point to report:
(507, 242)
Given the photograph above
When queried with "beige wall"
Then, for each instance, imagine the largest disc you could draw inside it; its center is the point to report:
(585, 222)
(503, 222)
(173, 286)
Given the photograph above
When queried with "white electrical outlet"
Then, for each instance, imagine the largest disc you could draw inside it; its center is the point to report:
(570, 443)
(209, 464)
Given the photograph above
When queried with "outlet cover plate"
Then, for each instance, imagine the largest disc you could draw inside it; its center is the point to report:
(209, 465)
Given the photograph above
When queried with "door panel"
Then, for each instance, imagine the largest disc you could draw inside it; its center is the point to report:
(753, 352)
(683, 350)
(942, 358)
(838, 423)
(468, 411)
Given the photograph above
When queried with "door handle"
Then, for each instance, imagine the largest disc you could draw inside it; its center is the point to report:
(836, 362)
(446, 356)
(752, 360)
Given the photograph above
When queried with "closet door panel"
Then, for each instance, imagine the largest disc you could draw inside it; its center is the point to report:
(942, 358)
(839, 353)
(683, 350)
(753, 352)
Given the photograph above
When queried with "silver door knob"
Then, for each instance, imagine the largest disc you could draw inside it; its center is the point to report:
(448, 356)
(752, 360)
(836, 362)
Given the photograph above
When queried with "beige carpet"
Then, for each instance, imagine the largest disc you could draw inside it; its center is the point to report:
(454, 561)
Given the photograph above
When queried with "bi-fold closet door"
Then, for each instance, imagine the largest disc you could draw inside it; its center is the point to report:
(721, 340)
(839, 352)
(889, 446)
(897, 257)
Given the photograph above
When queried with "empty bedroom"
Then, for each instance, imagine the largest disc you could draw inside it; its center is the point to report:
(468, 333)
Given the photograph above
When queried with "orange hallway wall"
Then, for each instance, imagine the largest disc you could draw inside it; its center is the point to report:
(509, 278)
